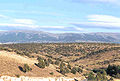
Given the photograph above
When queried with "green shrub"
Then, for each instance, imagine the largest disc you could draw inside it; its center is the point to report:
(26, 68)
(91, 76)
(69, 66)
(41, 64)
(113, 70)
(67, 70)
(73, 70)
(50, 61)
(102, 71)
(57, 62)
(51, 73)
(17, 75)
(97, 77)
(46, 63)
(40, 58)
(63, 68)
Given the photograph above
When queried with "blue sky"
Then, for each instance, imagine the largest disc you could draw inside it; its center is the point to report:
(60, 16)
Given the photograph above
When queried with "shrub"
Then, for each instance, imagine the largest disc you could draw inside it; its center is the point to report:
(41, 64)
(51, 73)
(97, 77)
(57, 62)
(46, 63)
(63, 69)
(102, 71)
(50, 61)
(67, 70)
(76, 69)
(113, 70)
(40, 58)
(17, 75)
(91, 76)
(69, 66)
(73, 70)
(26, 68)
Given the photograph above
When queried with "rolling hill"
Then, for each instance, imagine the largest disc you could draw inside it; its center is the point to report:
(83, 58)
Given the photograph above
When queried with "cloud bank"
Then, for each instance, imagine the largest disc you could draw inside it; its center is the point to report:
(100, 21)
(30, 24)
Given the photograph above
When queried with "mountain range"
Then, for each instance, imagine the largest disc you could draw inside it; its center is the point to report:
(45, 37)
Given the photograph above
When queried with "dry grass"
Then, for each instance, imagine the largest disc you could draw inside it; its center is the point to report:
(9, 62)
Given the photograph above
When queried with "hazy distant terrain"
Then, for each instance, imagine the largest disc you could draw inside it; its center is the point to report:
(35, 36)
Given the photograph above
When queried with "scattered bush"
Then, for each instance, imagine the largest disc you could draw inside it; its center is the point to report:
(73, 70)
(97, 77)
(26, 68)
(102, 71)
(51, 73)
(91, 76)
(69, 66)
(113, 70)
(63, 68)
(41, 64)
(57, 62)
(50, 61)
(17, 75)
(46, 62)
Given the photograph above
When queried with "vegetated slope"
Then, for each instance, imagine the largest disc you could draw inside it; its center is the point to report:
(86, 56)
(10, 63)
(43, 37)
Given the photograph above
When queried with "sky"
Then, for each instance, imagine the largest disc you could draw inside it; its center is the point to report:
(60, 16)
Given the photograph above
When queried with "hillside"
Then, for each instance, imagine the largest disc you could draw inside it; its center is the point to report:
(10, 62)
(45, 37)
(83, 56)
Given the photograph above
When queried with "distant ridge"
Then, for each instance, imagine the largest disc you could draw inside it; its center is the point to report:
(46, 37)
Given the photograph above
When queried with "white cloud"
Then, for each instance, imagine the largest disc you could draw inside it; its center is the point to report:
(18, 25)
(100, 21)
(28, 23)
(30, 26)
(60, 27)
(15, 23)
(79, 29)
(104, 18)
(3, 16)
(25, 21)
(98, 24)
